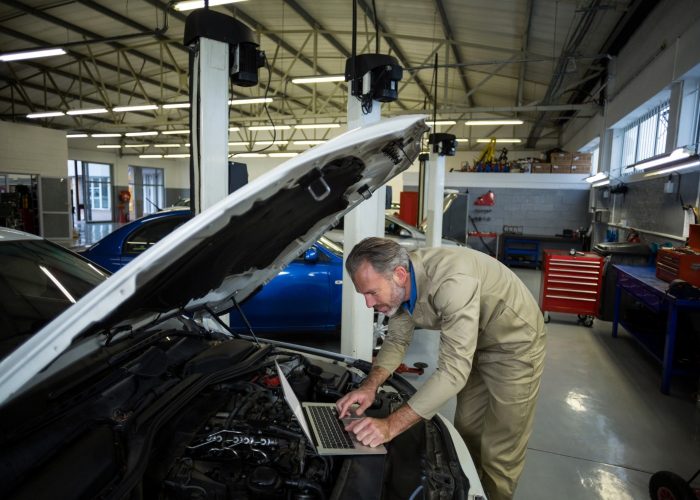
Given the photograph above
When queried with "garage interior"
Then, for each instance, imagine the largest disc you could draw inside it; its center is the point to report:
(591, 133)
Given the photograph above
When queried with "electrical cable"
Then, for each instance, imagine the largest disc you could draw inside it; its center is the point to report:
(376, 28)
(267, 109)
(491, 252)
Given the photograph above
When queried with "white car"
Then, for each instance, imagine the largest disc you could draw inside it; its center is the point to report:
(138, 389)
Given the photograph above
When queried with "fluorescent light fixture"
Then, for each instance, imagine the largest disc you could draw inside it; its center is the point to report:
(317, 125)
(75, 136)
(178, 155)
(319, 79)
(136, 145)
(233, 129)
(606, 182)
(255, 100)
(691, 162)
(308, 143)
(441, 122)
(271, 143)
(108, 146)
(676, 155)
(239, 143)
(597, 177)
(270, 127)
(150, 156)
(282, 155)
(31, 54)
(493, 122)
(173, 132)
(462, 139)
(105, 135)
(93, 111)
(250, 155)
(167, 145)
(511, 141)
(140, 107)
(46, 114)
(176, 105)
(140, 134)
(199, 4)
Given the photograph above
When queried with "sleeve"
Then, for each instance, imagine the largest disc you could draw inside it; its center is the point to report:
(396, 342)
(457, 303)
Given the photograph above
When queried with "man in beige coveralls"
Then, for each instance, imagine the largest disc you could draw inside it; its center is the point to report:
(492, 345)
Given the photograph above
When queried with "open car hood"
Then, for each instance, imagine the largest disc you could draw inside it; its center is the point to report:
(233, 247)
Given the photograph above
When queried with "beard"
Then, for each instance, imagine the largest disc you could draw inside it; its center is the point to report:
(397, 298)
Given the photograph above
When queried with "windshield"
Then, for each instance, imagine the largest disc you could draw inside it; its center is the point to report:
(331, 246)
(38, 281)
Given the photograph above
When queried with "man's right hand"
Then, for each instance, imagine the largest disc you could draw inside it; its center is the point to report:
(363, 396)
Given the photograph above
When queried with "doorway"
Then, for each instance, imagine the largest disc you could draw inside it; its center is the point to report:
(19, 208)
(91, 191)
(147, 186)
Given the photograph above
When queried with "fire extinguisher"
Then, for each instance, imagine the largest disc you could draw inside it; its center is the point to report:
(124, 199)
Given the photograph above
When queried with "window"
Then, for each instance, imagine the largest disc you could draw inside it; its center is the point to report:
(151, 233)
(646, 136)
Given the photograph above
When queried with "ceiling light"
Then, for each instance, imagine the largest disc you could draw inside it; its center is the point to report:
(308, 143)
(172, 132)
(199, 4)
(271, 143)
(691, 162)
(150, 156)
(238, 143)
(494, 122)
(47, 114)
(75, 136)
(512, 141)
(462, 139)
(282, 155)
(140, 134)
(676, 155)
(31, 54)
(233, 129)
(141, 107)
(167, 145)
(441, 122)
(108, 146)
(176, 105)
(270, 127)
(178, 155)
(93, 111)
(255, 100)
(317, 125)
(249, 155)
(105, 135)
(136, 145)
(319, 79)
(606, 182)
(597, 177)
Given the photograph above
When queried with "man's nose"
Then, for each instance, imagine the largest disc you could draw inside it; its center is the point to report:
(369, 300)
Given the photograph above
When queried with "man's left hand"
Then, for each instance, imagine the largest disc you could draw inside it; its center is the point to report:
(370, 431)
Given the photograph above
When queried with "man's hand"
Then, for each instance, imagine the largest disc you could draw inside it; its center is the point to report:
(364, 397)
(370, 431)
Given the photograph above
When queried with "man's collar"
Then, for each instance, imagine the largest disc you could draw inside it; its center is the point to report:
(410, 304)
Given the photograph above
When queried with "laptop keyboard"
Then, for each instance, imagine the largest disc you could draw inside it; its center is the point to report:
(330, 430)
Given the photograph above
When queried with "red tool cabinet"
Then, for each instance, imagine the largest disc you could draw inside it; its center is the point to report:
(571, 284)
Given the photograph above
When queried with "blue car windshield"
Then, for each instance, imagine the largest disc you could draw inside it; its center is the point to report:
(38, 281)
(331, 246)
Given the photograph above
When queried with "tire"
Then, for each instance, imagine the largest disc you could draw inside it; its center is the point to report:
(380, 328)
(665, 485)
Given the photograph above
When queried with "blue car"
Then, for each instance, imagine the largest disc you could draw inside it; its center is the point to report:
(306, 295)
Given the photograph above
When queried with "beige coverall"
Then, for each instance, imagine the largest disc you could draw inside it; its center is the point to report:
(492, 346)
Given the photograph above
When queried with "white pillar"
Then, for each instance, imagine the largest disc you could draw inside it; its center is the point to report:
(436, 193)
(211, 173)
(366, 219)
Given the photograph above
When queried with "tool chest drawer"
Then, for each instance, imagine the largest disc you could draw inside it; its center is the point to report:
(571, 283)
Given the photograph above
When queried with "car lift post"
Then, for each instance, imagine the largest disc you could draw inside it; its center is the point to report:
(367, 219)
(436, 189)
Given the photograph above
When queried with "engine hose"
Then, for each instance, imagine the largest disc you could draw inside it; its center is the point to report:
(306, 484)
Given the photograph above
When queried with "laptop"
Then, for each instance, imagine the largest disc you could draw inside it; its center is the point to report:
(320, 423)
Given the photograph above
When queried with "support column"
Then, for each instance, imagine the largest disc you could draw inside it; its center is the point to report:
(211, 99)
(436, 189)
(365, 220)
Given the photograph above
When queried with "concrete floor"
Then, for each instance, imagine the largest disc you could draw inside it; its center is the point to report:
(602, 426)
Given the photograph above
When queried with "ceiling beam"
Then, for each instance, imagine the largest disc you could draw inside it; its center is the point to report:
(455, 50)
(524, 43)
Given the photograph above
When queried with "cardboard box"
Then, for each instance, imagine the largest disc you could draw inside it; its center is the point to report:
(582, 158)
(561, 169)
(541, 168)
(581, 169)
(563, 159)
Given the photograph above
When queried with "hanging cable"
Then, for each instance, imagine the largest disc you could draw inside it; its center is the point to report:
(376, 27)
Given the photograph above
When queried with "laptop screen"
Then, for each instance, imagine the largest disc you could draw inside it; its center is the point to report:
(294, 403)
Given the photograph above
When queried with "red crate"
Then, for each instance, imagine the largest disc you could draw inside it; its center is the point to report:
(571, 283)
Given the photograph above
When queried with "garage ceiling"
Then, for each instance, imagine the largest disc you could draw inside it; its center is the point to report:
(541, 61)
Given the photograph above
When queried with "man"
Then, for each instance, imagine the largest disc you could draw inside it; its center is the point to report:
(492, 345)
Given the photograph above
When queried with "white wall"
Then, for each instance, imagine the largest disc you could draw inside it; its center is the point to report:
(31, 149)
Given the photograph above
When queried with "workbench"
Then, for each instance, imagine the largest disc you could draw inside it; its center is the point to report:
(526, 249)
(641, 283)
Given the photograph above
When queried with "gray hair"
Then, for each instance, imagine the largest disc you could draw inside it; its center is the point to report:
(383, 254)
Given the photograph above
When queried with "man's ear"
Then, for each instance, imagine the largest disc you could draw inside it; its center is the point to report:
(401, 275)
